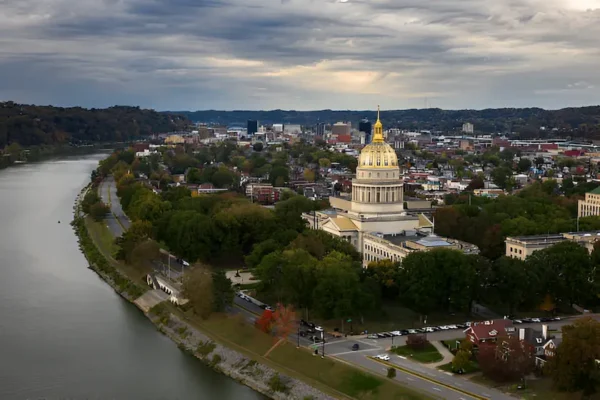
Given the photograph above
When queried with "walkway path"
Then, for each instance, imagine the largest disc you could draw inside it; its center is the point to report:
(444, 352)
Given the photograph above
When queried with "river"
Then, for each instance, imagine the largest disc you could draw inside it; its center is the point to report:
(64, 333)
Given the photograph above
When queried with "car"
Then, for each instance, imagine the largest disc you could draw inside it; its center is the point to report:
(517, 321)
(452, 327)
(268, 308)
(372, 336)
(404, 332)
(443, 327)
(428, 329)
(318, 328)
(535, 320)
(303, 322)
(386, 334)
(526, 320)
(546, 319)
(380, 335)
(355, 347)
(461, 326)
(396, 333)
(412, 331)
(556, 319)
(383, 357)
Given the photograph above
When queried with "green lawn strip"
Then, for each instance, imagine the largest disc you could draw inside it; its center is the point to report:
(427, 354)
(328, 375)
(469, 369)
(104, 241)
(535, 389)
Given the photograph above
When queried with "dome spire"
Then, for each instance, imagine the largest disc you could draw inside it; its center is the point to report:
(378, 130)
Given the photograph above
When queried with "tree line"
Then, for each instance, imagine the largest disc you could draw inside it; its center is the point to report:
(31, 125)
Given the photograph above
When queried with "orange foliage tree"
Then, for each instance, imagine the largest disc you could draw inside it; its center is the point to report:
(265, 322)
(284, 323)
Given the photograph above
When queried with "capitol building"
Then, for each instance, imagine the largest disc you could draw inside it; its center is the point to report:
(373, 218)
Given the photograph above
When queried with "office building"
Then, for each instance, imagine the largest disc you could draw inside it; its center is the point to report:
(365, 127)
(252, 127)
(341, 128)
(468, 128)
(320, 129)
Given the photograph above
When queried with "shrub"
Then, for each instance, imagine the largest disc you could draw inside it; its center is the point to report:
(416, 342)
(278, 385)
(216, 359)
(205, 348)
(391, 372)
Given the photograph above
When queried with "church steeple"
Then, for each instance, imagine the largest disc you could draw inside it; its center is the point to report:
(377, 130)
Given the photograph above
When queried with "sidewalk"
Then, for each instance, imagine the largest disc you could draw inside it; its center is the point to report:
(444, 352)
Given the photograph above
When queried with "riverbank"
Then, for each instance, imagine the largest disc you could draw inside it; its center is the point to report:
(234, 364)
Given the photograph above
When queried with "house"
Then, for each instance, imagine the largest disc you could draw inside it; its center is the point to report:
(549, 351)
(488, 331)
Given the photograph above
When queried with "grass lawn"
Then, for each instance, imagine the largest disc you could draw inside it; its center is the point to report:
(536, 389)
(104, 240)
(428, 354)
(335, 378)
(451, 343)
(472, 367)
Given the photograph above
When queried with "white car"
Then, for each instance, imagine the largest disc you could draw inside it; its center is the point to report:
(412, 332)
(535, 320)
(452, 327)
(396, 333)
(383, 357)
(444, 327)
(429, 329)
(372, 336)
(318, 328)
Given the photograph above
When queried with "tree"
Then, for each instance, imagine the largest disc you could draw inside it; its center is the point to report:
(99, 210)
(198, 289)
(258, 146)
(265, 322)
(223, 292)
(324, 162)
(289, 212)
(461, 360)
(143, 254)
(391, 373)
(284, 323)
(514, 281)
(416, 342)
(476, 183)
(575, 365)
(279, 172)
(566, 273)
(524, 165)
(502, 177)
(90, 198)
(309, 175)
(509, 360)
(386, 274)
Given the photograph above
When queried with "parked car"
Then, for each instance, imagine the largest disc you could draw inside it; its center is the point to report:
(396, 333)
(268, 308)
(372, 336)
(429, 329)
(404, 332)
(517, 321)
(535, 320)
(355, 347)
(303, 322)
(380, 335)
(383, 357)
(318, 328)
(412, 331)
(452, 327)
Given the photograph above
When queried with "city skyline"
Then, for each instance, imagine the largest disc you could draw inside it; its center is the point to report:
(300, 54)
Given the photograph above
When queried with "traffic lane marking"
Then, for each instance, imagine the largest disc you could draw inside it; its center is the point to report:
(425, 378)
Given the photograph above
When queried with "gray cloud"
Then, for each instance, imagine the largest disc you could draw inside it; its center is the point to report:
(300, 54)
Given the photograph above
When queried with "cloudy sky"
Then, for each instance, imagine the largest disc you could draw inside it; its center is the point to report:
(301, 54)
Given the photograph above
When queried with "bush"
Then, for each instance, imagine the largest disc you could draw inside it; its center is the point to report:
(391, 372)
(416, 342)
(216, 359)
(98, 211)
(278, 385)
(205, 348)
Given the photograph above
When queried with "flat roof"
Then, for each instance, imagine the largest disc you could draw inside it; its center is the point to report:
(537, 238)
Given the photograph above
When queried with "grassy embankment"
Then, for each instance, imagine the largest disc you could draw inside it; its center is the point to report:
(427, 354)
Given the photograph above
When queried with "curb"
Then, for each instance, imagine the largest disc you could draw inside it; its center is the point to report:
(420, 376)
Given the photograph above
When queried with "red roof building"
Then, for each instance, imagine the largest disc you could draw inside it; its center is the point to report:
(573, 153)
(489, 331)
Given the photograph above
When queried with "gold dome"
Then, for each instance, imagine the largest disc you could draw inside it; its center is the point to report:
(378, 154)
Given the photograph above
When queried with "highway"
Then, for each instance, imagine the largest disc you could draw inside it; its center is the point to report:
(111, 220)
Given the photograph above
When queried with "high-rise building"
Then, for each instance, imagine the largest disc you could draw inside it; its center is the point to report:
(252, 127)
(341, 128)
(365, 126)
(320, 129)
(468, 127)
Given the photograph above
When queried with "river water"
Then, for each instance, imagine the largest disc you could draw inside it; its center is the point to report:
(64, 333)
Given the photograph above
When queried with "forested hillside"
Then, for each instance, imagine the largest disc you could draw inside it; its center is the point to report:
(580, 121)
(30, 125)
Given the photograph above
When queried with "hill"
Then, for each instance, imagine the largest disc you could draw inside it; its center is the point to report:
(580, 121)
(31, 125)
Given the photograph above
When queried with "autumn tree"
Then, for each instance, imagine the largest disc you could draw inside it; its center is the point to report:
(265, 322)
(575, 367)
(284, 323)
(510, 359)
(309, 175)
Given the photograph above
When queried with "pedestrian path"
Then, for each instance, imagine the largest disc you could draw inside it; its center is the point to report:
(448, 356)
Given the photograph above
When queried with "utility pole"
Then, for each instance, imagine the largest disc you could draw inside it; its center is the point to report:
(298, 337)
(323, 343)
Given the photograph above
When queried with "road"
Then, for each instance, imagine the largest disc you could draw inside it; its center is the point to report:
(115, 207)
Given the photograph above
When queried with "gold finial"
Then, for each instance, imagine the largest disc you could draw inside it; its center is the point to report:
(377, 130)
(378, 112)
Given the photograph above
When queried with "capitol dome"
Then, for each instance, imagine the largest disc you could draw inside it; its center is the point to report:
(378, 154)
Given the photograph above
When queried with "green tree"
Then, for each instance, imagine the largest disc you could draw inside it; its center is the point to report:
(502, 177)
(461, 360)
(99, 210)
(90, 198)
(258, 146)
(515, 283)
(223, 292)
(387, 274)
(324, 162)
(524, 165)
(198, 289)
(575, 365)
(289, 212)
(279, 172)
(566, 272)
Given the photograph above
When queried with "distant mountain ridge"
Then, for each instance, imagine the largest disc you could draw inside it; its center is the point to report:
(583, 121)
(31, 125)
